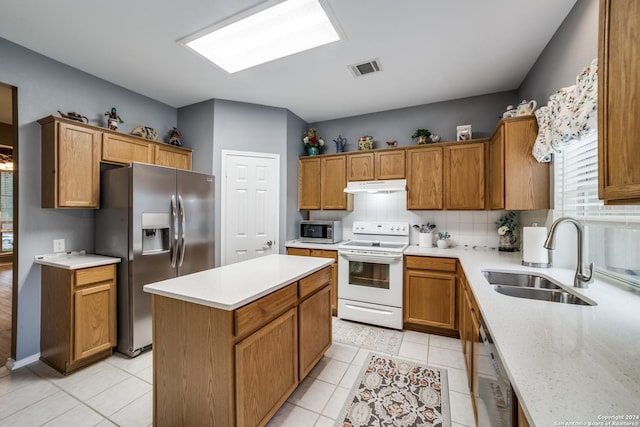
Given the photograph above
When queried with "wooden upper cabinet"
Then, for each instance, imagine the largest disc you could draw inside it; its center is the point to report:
(424, 178)
(516, 180)
(123, 149)
(618, 107)
(390, 164)
(360, 167)
(70, 165)
(333, 173)
(464, 166)
(309, 183)
(172, 156)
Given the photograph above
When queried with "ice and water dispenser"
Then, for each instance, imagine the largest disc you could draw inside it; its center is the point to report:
(155, 233)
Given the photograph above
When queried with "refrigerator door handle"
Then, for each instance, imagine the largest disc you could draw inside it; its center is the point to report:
(174, 245)
(183, 221)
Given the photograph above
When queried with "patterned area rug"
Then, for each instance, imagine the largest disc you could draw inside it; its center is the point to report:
(371, 337)
(399, 393)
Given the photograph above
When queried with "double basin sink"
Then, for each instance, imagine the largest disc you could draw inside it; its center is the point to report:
(531, 286)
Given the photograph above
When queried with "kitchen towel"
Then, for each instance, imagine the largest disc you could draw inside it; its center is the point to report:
(533, 250)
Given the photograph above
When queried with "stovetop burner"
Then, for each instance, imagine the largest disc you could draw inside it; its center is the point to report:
(379, 236)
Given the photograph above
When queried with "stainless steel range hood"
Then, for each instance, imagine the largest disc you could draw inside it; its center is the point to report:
(389, 186)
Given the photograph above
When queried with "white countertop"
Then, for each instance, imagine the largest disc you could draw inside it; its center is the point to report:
(304, 245)
(567, 363)
(74, 260)
(232, 286)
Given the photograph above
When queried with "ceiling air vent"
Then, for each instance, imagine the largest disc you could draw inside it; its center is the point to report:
(372, 66)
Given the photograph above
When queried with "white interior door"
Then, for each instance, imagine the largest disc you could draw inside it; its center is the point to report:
(250, 205)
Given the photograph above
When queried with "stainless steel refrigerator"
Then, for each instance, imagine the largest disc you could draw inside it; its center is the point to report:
(159, 220)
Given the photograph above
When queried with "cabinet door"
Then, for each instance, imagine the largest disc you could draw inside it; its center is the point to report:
(429, 299)
(314, 316)
(360, 167)
(390, 164)
(334, 274)
(464, 176)
(496, 169)
(309, 182)
(618, 107)
(78, 167)
(333, 173)
(124, 150)
(266, 369)
(424, 178)
(174, 157)
(95, 319)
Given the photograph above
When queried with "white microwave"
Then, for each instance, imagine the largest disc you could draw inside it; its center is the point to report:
(318, 231)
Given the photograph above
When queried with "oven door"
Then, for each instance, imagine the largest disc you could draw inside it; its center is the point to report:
(370, 277)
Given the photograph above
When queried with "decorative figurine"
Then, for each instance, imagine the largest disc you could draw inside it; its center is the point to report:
(74, 116)
(113, 119)
(145, 132)
(174, 137)
(340, 143)
(391, 144)
(422, 135)
(435, 137)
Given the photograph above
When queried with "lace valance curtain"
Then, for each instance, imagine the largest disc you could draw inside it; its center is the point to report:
(570, 114)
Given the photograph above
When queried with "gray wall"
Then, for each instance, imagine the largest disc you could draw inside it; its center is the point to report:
(295, 128)
(481, 112)
(45, 86)
(572, 48)
(195, 123)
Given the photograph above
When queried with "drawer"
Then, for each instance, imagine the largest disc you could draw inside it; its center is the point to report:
(323, 253)
(431, 263)
(315, 281)
(103, 273)
(254, 315)
(298, 251)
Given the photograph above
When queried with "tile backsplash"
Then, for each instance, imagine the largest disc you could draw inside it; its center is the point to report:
(472, 228)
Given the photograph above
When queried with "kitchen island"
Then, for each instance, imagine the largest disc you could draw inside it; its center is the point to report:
(231, 344)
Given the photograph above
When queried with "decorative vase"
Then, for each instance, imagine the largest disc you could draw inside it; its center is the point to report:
(340, 143)
(508, 242)
(313, 151)
(425, 240)
(442, 243)
(422, 139)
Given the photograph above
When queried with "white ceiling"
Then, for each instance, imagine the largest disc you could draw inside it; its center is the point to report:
(430, 50)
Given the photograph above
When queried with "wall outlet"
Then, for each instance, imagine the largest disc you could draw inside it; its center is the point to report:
(58, 245)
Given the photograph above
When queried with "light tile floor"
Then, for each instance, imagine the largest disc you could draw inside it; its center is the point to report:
(118, 391)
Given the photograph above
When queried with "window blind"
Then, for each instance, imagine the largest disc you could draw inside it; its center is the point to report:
(576, 185)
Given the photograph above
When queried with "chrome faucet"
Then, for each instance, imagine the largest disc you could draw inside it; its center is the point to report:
(580, 280)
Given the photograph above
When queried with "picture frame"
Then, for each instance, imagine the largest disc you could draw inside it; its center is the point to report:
(463, 133)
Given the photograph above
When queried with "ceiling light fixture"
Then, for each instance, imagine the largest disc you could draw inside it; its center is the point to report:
(254, 38)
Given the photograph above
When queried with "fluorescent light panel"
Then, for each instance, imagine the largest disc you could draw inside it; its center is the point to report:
(284, 29)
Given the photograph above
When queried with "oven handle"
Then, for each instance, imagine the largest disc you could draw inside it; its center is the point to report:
(380, 258)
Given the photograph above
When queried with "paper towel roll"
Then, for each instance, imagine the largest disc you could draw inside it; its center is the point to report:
(533, 250)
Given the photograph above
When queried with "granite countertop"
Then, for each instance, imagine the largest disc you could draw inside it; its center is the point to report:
(74, 260)
(566, 363)
(232, 286)
(305, 245)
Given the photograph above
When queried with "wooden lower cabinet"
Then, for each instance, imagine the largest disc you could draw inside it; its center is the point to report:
(236, 368)
(314, 316)
(270, 355)
(78, 316)
(323, 253)
(430, 294)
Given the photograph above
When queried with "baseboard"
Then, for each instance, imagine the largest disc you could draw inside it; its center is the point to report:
(12, 365)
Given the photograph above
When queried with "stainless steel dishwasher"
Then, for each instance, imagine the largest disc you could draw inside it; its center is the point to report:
(494, 396)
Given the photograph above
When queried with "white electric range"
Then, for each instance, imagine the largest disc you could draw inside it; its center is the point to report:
(370, 273)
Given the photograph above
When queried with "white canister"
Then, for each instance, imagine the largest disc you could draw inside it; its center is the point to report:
(443, 244)
(425, 240)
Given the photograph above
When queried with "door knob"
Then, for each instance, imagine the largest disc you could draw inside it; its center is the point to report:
(269, 243)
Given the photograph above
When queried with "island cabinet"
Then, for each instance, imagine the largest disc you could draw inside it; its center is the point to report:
(321, 183)
(323, 253)
(70, 165)
(516, 180)
(464, 176)
(376, 165)
(618, 107)
(430, 294)
(214, 366)
(78, 316)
